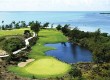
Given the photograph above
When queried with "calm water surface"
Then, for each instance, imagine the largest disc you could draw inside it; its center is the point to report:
(84, 20)
(69, 53)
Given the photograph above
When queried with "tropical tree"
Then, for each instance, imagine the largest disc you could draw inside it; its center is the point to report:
(38, 23)
(35, 27)
(2, 25)
(52, 26)
(30, 23)
(104, 34)
(45, 25)
(65, 29)
(59, 27)
(74, 34)
(97, 35)
(17, 26)
(13, 22)
(6, 26)
(27, 33)
(10, 26)
(23, 24)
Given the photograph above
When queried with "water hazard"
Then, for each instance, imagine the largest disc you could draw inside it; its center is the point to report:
(69, 53)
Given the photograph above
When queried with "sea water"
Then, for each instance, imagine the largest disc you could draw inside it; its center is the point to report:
(84, 20)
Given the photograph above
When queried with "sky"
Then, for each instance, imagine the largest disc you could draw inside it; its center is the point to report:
(54, 5)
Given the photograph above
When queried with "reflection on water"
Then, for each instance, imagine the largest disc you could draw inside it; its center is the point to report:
(69, 53)
(63, 43)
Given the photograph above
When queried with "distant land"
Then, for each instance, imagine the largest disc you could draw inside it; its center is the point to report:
(104, 13)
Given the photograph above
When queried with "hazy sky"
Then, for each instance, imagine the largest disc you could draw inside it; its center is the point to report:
(54, 5)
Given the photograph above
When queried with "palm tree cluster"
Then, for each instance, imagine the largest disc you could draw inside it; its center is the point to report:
(22, 24)
(13, 25)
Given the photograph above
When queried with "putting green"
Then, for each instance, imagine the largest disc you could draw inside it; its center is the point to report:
(47, 66)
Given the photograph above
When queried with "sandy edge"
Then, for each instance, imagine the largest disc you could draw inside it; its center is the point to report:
(23, 64)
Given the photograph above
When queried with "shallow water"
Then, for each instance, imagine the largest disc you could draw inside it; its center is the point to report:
(84, 20)
(69, 53)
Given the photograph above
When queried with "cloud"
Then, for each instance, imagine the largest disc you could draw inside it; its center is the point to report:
(54, 5)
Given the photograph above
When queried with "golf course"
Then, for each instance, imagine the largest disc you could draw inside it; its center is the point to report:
(13, 32)
(54, 44)
(34, 63)
(43, 66)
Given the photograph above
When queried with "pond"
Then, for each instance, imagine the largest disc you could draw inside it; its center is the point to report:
(69, 53)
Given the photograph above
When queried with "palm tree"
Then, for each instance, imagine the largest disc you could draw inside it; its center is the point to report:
(10, 26)
(2, 25)
(59, 27)
(23, 23)
(29, 24)
(13, 22)
(46, 25)
(35, 27)
(52, 25)
(97, 35)
(17, 26)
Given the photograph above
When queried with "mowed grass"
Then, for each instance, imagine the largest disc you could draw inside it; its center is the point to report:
(46, 36)
(47, 66)
(43, 66)
(13, 32)
(51, 36)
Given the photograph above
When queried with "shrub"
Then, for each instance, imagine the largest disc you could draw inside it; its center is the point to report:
(33, 41)
(2, 38)
(27, 33)
(59, 27)
(75, 72)
(13, 44)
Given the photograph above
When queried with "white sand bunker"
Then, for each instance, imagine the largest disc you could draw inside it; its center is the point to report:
(22, 64)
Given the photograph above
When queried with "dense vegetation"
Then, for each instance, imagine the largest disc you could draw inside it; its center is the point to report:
(44, 62)
(13, 44)
(96, 41)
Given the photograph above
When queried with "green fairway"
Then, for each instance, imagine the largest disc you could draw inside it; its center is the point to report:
(47, 66)
(43, 66)
(13, 32)
(46, 36)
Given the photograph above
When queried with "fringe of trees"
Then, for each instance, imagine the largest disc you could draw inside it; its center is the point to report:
(97, 42)
(22, 24)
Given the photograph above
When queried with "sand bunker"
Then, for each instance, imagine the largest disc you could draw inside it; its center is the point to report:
(22, 64)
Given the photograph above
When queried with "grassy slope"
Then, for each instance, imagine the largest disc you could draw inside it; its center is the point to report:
(12, 32)
(47, 67)
(6, 33)
(46, 36)
(37, 52)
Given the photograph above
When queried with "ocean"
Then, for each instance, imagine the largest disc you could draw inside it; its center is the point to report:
(84, 20)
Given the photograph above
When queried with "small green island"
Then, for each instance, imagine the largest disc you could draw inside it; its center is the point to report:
(22, 53)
